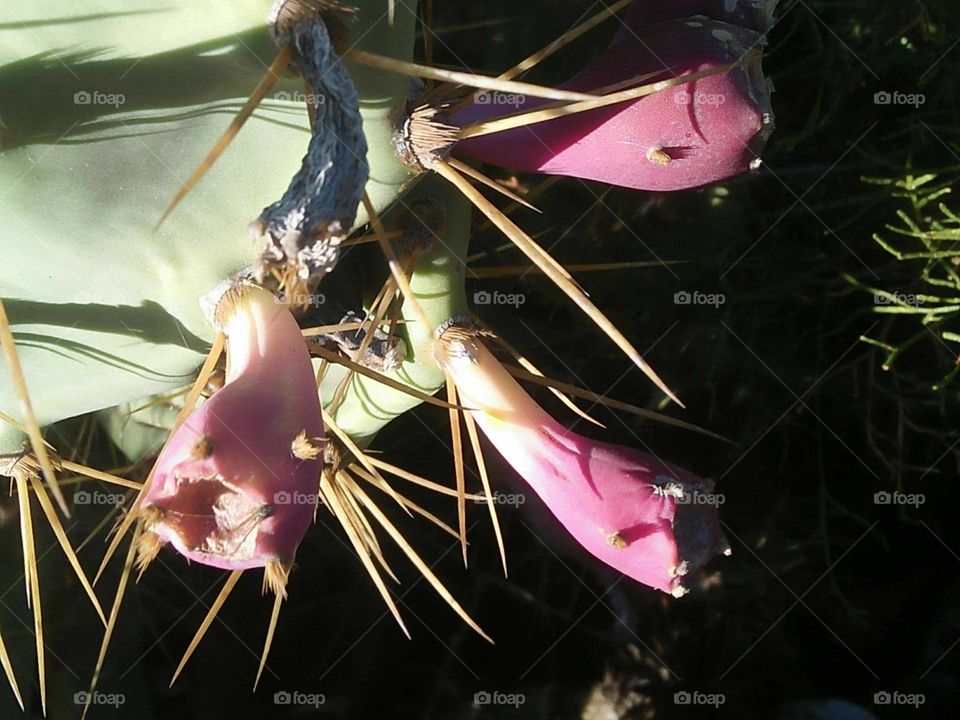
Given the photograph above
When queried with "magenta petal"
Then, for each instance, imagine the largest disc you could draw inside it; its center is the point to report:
(678, 138)
(228, 489)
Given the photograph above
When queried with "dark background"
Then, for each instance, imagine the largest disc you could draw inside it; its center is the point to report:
(827, 594)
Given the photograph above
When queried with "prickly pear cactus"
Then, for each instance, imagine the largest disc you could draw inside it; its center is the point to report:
(104, 305)
(139, 261)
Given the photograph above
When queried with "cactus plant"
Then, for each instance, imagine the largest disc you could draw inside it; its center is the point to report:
(105, 307)
(105, 295)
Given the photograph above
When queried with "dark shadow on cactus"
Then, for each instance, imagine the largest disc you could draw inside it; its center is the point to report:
(149, 322)
(219, 70)
(48, 342)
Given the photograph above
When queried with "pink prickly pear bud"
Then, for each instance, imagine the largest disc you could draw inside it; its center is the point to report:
(635, 513)
(236, 485)
(681, 137)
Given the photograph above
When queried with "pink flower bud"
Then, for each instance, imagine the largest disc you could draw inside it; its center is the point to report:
(236, 486)
(648, 519)
(681, 137)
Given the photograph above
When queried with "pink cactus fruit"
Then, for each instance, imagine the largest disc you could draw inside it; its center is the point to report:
(648, 519)
(681, 137)
(236, 485)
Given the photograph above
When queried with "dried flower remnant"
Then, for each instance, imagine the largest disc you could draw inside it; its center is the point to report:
(305, 227)
(236, 486)
(632, 511)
